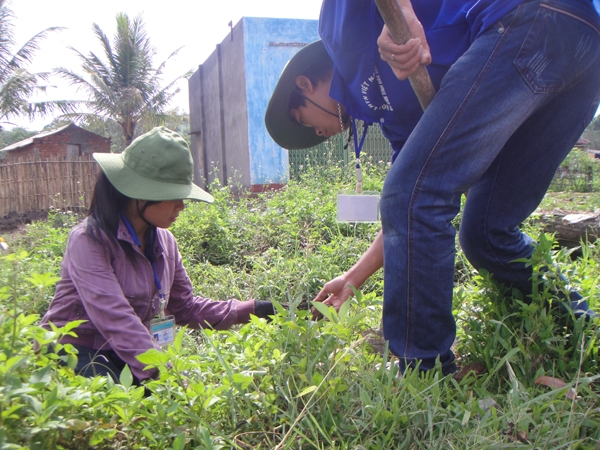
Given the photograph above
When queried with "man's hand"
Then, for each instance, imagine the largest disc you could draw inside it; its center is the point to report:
(405, 59)
(334, 293)
(337, 291)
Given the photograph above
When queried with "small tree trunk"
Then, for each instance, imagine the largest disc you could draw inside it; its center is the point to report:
(128, 131)
(571, 228)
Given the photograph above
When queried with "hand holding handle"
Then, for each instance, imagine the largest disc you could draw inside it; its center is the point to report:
(400, 32)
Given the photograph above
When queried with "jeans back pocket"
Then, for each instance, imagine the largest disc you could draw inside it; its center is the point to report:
(560, 48)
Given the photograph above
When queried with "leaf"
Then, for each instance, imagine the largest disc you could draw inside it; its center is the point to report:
(42, 376)
(210, 401)
(126, 378)
(42, 280)
(280, 309)
(343, 312)
(550, 382)
(357, 293)
(242, 379)
(305, 391)
(179, 442)
(137, 393)
(71, 361)
(355, 319)
(317, 378)
(325, 310)
(466, 417)
(10, 412)
(71, 325)
(556, 383)
(36, 405)
(178, 342)
(14, 363)
(100, 435)
(77, 424)
(148, 435)
(198, 388)
(153, 357)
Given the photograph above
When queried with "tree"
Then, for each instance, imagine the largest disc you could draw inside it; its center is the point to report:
(179, 121)
(124, 86)
(173, 119)
(17, 84)
(15, 135)
(592, 133)
(595, 124)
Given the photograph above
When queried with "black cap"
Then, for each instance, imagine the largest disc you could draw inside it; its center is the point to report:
(285, 131)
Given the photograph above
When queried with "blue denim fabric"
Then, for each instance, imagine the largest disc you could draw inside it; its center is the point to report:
(506, 115)
(91, 363)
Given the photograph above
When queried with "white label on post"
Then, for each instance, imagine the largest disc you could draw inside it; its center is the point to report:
(357, 208)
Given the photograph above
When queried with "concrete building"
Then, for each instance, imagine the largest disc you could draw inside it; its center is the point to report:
(229, 94)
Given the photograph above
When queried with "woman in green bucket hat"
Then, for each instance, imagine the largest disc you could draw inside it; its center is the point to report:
(122, 272)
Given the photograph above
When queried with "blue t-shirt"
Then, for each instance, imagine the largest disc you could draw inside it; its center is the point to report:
(366, 85)
(486, 13)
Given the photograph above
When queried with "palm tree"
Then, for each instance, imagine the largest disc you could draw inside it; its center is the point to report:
(17, 84)
(124, 87)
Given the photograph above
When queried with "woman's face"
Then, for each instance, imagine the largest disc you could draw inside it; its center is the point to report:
(163, 214)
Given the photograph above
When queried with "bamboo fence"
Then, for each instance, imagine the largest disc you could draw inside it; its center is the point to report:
(30, 185)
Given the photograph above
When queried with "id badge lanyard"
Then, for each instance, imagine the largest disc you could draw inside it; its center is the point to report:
(357, 148)
(161, 298)
(358, 206)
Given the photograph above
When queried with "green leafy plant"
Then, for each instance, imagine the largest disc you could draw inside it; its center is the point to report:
(296, 382)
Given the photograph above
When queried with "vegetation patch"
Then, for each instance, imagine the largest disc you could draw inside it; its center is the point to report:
(528, 373)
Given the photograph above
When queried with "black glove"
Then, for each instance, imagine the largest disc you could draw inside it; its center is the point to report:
(263, 309)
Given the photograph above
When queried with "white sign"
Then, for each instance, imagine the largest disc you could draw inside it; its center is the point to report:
(358, 208)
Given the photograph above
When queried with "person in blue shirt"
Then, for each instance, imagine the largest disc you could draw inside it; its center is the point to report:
(517, 83)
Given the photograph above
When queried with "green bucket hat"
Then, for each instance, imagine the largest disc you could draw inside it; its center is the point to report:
(157, 166)
(286, 132)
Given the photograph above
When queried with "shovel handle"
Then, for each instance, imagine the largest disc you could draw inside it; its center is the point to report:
(396, 22)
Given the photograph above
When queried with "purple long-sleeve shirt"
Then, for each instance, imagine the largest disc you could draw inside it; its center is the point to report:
(118, 297)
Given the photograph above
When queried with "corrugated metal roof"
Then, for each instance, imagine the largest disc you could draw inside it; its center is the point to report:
(30, 140)
(583, 141)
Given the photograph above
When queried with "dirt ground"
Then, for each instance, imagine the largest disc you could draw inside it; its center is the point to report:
(14, 222)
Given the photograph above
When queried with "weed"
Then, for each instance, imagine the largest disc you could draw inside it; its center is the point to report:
(298, 383)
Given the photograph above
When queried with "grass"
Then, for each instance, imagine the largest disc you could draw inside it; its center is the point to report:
(571, 201)
(295, 383)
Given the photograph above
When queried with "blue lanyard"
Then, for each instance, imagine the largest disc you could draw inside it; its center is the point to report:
(357, 148)
(137, 242)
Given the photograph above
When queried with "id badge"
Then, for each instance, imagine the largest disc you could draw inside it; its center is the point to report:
(163, 331)
(357, 207)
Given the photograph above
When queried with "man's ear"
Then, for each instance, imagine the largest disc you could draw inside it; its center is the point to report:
(304, 84)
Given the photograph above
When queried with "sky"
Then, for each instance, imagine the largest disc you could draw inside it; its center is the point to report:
(197, 26)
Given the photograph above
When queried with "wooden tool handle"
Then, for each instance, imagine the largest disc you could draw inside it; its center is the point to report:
(396, 23)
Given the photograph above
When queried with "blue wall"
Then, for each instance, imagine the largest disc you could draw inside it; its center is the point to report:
(268, 46)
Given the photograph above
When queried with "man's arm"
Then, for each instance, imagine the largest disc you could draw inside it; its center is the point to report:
(337, 291)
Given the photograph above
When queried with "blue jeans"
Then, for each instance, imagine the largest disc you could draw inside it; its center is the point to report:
(506, 115)
(92, 363)
(104, 363)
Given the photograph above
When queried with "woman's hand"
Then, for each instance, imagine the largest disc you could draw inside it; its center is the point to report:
(407, 58)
